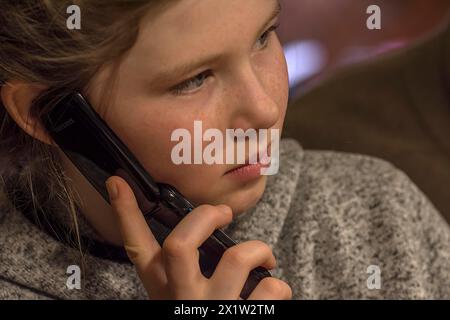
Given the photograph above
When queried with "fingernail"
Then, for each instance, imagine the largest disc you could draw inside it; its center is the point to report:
(112, 189)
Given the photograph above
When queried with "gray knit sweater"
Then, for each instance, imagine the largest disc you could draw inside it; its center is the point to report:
(334, 221)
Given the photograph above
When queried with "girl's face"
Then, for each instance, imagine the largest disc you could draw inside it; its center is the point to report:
(218, 62)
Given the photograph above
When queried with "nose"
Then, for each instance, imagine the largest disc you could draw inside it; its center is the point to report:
(254, 107)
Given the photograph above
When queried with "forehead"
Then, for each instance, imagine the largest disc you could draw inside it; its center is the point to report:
(190, 27)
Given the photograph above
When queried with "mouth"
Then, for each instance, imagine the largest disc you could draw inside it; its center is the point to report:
(248, 167)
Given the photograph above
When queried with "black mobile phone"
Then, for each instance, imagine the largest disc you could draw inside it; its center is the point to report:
(98, 153)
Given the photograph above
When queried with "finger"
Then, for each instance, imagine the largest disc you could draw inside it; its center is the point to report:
(271, 289)
(235, 265)
(180, 249)
(141, 246)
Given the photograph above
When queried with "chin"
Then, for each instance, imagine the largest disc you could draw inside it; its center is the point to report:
(239, 197)
(246, 197)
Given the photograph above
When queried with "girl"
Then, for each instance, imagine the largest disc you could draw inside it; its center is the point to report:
(340, 225)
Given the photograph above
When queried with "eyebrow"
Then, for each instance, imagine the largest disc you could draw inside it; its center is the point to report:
(185, 68)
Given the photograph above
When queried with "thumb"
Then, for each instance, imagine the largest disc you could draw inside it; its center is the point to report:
(142, 248)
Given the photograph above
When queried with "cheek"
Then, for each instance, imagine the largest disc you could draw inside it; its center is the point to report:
(281, 80)
(150, 140)
(145, 132)
(148, 135)
(274, 73)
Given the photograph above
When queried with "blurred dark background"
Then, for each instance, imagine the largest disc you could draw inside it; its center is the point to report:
(382, 93)
(320, 35)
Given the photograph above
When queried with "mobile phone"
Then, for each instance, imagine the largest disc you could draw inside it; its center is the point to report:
(98, 153)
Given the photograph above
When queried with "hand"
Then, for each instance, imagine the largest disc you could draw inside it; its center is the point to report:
(172, 271)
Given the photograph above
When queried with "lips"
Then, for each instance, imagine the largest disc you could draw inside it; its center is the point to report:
(247, 161)
(237, 168)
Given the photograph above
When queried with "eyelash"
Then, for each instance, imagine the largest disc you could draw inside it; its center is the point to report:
(184, 86)
(266, 34)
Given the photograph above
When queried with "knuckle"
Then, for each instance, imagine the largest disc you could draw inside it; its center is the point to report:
(216, 212)
(173, 246)
(263, 248)
(225, 210)
(235, 256)
(215, 216)
(205, 207)
(275, 287)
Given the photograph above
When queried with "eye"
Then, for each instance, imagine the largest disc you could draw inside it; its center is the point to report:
(264, 38)
(191, 84)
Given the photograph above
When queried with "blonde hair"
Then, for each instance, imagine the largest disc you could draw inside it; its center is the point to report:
(37, 47)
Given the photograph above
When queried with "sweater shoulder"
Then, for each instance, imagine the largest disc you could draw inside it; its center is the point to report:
(343, 176)
(353, 211)
(366, 177)
(338, 163)
(377, 186)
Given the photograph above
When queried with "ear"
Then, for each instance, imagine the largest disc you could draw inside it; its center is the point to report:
(17, 97)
